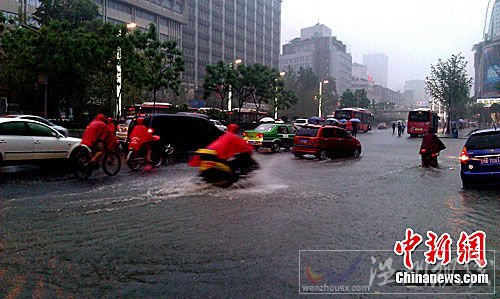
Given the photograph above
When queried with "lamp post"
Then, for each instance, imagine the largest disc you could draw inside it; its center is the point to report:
(230, 93)
(320, 104)
(130, 26)
(282, 74)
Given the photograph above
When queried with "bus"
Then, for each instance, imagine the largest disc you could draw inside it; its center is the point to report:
(421, 121)
(147, 108)
(363, 115)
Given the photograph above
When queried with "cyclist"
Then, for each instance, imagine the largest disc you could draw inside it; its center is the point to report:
(141, 136)
(98, 137)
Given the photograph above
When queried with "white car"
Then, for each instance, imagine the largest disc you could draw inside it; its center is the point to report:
(24, 139)
(59, 129)
(300, 122)
(218, 125)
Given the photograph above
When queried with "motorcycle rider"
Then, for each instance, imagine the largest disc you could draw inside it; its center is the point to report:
(141, 136)
(98, 137)
(430, 148)
(228, 145)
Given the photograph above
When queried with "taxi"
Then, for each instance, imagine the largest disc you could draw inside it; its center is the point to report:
(271, 135)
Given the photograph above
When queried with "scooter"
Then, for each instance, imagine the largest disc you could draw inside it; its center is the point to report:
(429, 159)
(223, 173)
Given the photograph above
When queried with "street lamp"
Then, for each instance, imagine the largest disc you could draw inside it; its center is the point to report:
(230, 93)
(130, 27)
(320, 107)
(282, 74)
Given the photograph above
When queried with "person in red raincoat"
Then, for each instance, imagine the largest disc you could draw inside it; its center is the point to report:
(97, 135)
(141, 136)
(230, 144)
(111, 125)
(430, 148)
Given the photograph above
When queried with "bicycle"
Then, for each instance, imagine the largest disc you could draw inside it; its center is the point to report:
(85, 161)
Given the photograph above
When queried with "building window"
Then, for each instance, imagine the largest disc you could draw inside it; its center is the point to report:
(120, 6)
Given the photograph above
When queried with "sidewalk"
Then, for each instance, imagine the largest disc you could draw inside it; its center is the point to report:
(462, 134)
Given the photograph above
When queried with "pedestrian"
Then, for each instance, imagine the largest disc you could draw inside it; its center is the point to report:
(393, 127)
(430, 148)
(400, 127)
(111, 125)
(354, 128)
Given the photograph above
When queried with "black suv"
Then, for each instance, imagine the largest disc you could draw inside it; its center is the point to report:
(185, 132)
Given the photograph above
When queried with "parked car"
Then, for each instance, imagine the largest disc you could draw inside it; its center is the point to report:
(480, 158)
(382, 126)
(273, 136)
(325, 141)
(47, 122)
(299, 122)
(184, 132)
(122, 129)
(24, 139)
(218, 125)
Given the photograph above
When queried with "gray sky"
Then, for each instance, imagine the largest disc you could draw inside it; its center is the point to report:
(412, 33)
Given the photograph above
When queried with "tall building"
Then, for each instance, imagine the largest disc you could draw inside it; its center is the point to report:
(228, 30)
(417, 88)
(167, 15)
(377, 65)
(487, 61)
(317, 49)
(494, 28)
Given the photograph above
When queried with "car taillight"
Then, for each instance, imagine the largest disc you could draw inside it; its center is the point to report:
(313, 141)
(463, 156)
(260, 135)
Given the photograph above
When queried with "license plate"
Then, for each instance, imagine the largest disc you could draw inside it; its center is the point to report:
(254, 142)
(490, 161)
(303, 140)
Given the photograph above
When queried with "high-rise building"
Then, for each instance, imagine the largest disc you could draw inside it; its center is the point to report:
(323, 53)
(494, 28)
(377, 65)
(417, 88)
(228, 30)
(167, 15)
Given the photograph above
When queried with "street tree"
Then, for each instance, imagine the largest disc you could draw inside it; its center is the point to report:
(358, 98)
(219, 80)
(449, 84)
(73, 11)
(163, 63)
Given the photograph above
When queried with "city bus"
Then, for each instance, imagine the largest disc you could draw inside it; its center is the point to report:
(363, 115)
(421, 121)
(147, 108)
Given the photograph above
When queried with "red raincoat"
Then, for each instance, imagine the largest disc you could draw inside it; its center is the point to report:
(226, 146)
(97, 131)
(431, 144)
(139, 135)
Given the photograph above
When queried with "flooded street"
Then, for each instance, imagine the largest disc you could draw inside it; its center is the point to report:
(166, 234)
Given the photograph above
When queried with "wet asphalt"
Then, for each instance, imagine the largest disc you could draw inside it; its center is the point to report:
(166, 234)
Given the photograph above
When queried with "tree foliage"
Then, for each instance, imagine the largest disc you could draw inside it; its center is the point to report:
(78, 55)
(449, 84)
(257, 84)
(358, 98)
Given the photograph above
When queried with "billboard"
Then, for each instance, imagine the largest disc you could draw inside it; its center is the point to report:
(491, 71)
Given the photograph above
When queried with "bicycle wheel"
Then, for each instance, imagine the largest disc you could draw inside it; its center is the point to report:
(133, 161)
(157, 156)
(80, 159)
(111, 163)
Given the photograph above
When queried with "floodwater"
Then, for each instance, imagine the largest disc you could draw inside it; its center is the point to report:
(168, 234)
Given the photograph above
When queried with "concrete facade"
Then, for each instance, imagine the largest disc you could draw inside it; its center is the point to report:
(378, 65)
(324, 54)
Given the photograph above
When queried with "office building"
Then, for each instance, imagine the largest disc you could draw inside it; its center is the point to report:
(229, 30)
(377, 65)
(317, 49)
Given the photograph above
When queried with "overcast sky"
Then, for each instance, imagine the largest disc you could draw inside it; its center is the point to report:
(412, 33)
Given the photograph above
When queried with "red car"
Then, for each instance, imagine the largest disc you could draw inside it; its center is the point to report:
(325, 141)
